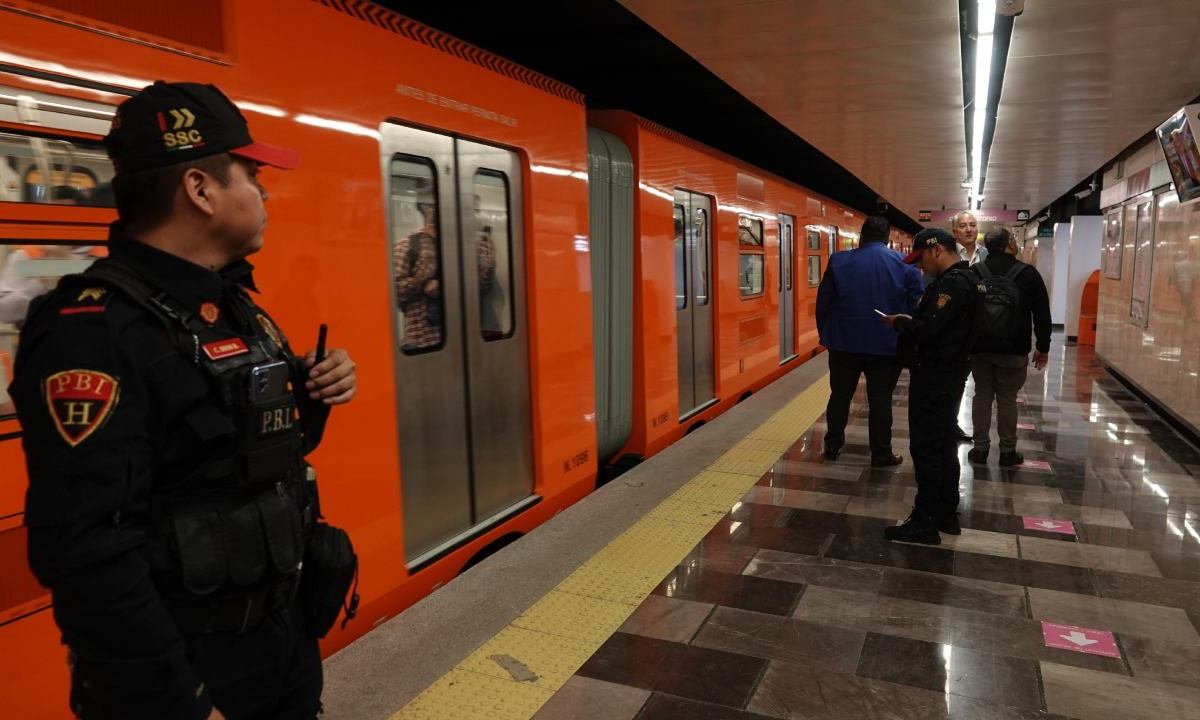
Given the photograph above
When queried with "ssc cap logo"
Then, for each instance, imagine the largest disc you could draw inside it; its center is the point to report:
(80, 401)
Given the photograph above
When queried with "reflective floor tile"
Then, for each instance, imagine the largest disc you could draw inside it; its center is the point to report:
(983, 595)
(1099, 557)
(687, 671)
(956, 671)
(1184, 594)
(582, 698)
(982, 542)
(721, 556)
(1079, 693)
(774, 638)
(808, 569)
(797, 498)
(667, 707)
(740, 591)
(1121, 616)
(1162, 660)
(667, 618)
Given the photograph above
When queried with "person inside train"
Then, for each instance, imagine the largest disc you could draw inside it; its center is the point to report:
(1000, 356)
(418, 291)
(20, 283)
(856, 284)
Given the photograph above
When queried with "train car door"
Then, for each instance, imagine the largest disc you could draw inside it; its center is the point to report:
(787, 301)
(462, 371)
(693, 302)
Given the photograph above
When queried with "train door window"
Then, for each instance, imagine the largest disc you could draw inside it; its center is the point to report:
(680, 263)
(833, 239)
(814, 240)
(36, 168)
(702, 255)
(788, 258)
(416, 254)
(27, 271)
(493, 254)
(750, 231)
(750, 274)
(814, 270)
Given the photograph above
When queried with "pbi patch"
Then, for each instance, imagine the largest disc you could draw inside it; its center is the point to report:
(943, 300)
(80, 401)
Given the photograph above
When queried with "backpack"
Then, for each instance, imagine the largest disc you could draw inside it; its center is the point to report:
(999, 311)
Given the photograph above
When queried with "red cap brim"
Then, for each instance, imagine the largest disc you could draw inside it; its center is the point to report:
(272, 155)
(913, 256)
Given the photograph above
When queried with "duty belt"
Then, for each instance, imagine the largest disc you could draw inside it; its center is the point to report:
(233, 614)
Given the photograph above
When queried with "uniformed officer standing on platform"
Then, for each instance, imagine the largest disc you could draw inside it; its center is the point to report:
(165, 423)
(942, 329)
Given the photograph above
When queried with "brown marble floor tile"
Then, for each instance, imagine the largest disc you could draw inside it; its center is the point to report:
(1122, 616)
(1155, 659)
(809, 569)
(667, 618)
(668, 707)
(582, 698)
(813, 694)
(1076, 513)
(1183, 594)
(693, 672)
(720, 556)
(961, 628)
(774, 638)
(983, 542)
(740, 591)
(983, 595)
(797, 498)
(1086, 694)
(956, 671)
(879, 507)
(1097, 557)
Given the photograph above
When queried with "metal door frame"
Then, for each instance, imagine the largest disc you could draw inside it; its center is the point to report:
(699, 328)
(787, 288)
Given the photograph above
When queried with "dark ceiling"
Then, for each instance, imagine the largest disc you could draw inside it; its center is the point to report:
(618, 61)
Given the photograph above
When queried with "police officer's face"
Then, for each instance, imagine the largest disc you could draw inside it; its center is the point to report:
(241, 217)
(966, 229)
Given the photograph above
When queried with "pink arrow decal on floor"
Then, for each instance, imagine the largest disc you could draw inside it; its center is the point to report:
(1044, 524)
(1080, 639)
(1034, 465)
(1025, 426)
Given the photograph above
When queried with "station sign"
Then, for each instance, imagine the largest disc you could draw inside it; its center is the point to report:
(984, 216)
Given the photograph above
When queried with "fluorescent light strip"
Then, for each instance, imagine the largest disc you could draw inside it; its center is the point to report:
(983, 74)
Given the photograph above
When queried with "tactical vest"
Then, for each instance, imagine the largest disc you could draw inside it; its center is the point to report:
(226, 557)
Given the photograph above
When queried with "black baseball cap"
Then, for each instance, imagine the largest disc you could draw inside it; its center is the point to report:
(172, 123)
(927, 238)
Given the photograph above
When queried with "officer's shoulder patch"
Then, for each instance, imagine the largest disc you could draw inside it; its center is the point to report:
(83, 300)
(943, 300)
(80, 401)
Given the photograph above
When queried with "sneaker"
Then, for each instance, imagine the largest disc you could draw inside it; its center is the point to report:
(951, 526)
(914, 530)
(977, 456)
(1008, 458)
(886, 461)
(831, 453)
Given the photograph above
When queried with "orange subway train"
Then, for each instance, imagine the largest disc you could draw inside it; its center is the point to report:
(607, 285)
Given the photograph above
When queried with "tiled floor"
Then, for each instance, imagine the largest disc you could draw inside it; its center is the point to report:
(795, 607)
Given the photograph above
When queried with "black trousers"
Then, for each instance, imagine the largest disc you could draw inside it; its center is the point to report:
(882, 373)
(272, 672)
(933, 401)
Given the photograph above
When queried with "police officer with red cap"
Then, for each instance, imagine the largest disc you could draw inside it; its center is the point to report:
(165, 423)
(943, 329)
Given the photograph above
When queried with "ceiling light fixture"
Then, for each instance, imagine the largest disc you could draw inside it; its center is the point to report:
(986, 24)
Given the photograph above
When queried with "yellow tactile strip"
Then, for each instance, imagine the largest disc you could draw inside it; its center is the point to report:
(514, 673)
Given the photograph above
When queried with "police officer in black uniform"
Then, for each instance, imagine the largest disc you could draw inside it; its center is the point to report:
(942, 329)
(165, 422)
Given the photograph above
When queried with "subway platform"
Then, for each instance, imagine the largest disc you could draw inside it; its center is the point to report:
(738, 575)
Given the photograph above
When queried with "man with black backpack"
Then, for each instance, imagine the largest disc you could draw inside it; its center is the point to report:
(1014, 295)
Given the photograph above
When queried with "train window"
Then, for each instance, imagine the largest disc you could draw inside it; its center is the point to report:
(493, 252)
(702, 256)
(814, 270)
(787, 266)
(750, 274)
(750, 231)
(416, 253)
(27, 271)
(814, 239)
(55, 171)
(680, 265)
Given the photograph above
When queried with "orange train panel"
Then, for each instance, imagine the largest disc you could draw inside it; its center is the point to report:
(325, 250)
(746, 330)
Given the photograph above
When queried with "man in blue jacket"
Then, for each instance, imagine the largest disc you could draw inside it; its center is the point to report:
(856, 284)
